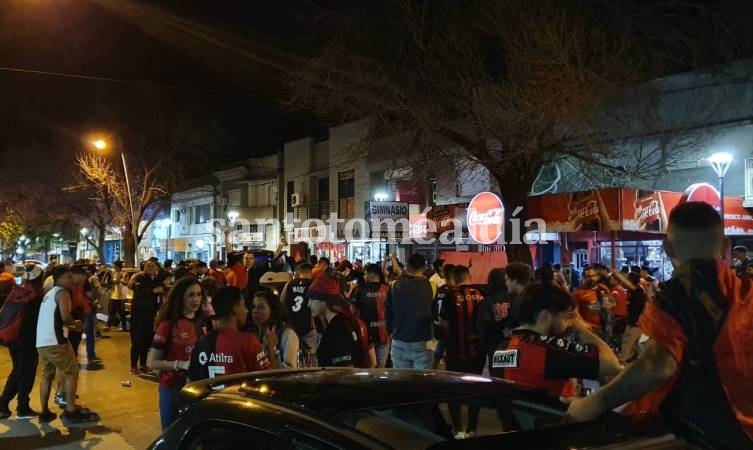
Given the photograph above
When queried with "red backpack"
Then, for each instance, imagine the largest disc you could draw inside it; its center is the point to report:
(12, 313)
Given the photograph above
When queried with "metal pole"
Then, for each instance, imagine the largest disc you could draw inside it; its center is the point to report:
(134, 226)
(721, 199)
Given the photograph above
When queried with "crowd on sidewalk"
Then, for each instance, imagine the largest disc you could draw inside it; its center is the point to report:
(619, 328)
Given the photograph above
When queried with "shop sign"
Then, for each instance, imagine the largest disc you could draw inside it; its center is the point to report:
(485, 217)
(384, 218)
(251, 237)
(309, 233)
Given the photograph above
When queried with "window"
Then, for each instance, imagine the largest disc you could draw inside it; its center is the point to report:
(346, 195)
(218, 435)
(176, 216)
(202, 213)
(234, 198)
(289, 195)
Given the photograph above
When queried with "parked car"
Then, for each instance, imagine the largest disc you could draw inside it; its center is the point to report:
(380, 409)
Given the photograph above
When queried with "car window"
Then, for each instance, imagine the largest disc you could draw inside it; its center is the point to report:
(426, 424)
(295, 440)
(218, 435)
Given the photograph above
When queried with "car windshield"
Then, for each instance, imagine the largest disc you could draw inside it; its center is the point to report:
(425, 424)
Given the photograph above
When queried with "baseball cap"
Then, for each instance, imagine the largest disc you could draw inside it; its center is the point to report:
(33, 272)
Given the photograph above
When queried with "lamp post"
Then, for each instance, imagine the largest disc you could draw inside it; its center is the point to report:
(101, 145)
(720, 162)
(84, 233)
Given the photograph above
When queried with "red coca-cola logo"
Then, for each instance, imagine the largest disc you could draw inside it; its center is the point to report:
(649, 209)
(485, 218)
(591, 208)
(701, 192)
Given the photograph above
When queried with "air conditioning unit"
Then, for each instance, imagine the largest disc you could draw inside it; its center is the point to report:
(297, 199)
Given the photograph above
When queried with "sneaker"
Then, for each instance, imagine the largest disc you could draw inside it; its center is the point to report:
(60, 399)
(146, 371)
(26, 413)
(460, 435)
(4, 412)
(470, 434)
(79, 415)
(94, 360)
(47, 416)
(134, 371)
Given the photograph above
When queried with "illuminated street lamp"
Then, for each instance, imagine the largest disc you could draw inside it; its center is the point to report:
(720, 162)
(101, 144)
(232, 215)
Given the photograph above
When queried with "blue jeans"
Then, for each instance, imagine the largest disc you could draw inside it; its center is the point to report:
(89, 321)
(168, 402)
(382, 352)
(415, 355)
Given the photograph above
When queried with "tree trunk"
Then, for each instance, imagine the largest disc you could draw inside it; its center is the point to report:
(101, 245)
(129, 247)
(514, 186)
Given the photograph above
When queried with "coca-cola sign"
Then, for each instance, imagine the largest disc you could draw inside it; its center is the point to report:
(591, 208)
(485, 218)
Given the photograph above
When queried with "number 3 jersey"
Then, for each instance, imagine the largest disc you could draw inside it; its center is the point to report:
(297, 306)
(226, 351)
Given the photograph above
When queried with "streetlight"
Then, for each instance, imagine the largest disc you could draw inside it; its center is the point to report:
(101, 144)
(720, 162)
(232, 215)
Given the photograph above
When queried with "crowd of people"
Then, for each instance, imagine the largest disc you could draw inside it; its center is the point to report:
(526, 326)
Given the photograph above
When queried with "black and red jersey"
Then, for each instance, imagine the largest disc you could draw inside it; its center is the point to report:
(297, 306)
(371, 301)
(443, 293)
(544, 362)
(225, 351)
(460, 310)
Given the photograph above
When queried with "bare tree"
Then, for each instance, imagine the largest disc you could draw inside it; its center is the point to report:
(168, 145)
(512, 85)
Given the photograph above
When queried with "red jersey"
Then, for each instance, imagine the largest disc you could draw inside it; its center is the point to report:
(237, 276)
(620, 295)
(460, 310)
(226, 351)
(545, 363)
(176, 344)
(588, 302)
(219, 276)
(79, 300)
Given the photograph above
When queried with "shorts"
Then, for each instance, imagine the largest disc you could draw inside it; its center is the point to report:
(58, 357)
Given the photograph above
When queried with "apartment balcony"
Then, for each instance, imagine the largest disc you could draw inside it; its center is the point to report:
(315, 210)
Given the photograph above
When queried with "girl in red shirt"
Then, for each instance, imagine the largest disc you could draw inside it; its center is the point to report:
(178, 328)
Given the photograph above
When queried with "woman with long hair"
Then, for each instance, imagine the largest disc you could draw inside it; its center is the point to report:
(178, 328)
(270, 322)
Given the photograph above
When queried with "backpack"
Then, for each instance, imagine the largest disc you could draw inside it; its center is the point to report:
(12, 313)
(198, 368)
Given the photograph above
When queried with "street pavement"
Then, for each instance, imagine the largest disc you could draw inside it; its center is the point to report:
(129, 415)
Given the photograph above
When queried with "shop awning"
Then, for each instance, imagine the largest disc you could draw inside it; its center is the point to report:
(642, 214)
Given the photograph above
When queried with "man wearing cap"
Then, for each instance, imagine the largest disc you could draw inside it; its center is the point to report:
(338, 346)
(409, 317)
(23, 352)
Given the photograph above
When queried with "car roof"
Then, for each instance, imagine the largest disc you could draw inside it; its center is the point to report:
(333, 390)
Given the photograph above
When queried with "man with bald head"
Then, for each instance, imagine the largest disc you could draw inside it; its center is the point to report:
(696, 366)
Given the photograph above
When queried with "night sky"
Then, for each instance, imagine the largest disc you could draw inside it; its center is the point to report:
(127, 40)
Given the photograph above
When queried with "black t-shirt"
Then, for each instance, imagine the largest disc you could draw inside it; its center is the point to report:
(442, 296)
(372, 301)
(460, 310)
(297, 306)
(338, 344)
